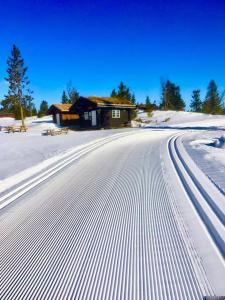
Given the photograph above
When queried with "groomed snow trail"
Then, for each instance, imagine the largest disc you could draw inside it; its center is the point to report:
(104, 228)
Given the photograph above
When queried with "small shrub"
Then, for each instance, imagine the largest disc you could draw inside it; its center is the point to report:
(166, 120)
(149, 114)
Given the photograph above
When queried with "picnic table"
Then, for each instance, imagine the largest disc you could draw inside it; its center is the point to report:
(16, 129)
(59, 131)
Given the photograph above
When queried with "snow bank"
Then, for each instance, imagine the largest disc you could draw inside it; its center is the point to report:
(7, 122)
(19, 151)
(208, 151)
(181, 118)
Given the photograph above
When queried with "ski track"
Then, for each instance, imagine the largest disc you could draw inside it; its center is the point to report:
(104, 228)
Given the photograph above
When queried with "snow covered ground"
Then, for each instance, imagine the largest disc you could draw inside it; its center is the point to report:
(23, 151)
(134, 187)
(19, 151)
(107, 227)
(204, 138)
(180, 119)
(208, 151)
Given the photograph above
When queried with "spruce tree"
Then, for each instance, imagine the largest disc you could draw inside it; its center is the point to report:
(113, 93)
(171, 97)
(149, 106)
(16, 100)
(43, 108)
(147, 101)
(177, 102)
(196, 103)
(28, 103)
(64, 98)
(133, 99)
(123, 92)
(73, 94)
(166, 95)
(213, 101)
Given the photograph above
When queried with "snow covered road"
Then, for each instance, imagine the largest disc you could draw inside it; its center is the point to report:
(106, 227)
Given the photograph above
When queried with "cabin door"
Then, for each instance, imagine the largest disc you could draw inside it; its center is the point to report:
(93, 118)
(58, 119)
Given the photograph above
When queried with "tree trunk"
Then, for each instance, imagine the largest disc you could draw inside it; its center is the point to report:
(21, 114)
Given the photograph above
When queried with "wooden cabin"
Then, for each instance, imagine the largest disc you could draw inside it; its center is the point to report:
(7, 115)
(62, 116)
(103, 112)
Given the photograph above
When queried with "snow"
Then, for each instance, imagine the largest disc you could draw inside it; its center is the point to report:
(109, 227)
(126, 190)
(208, 151)
(7, 122)
(21, 151)
(180, 118)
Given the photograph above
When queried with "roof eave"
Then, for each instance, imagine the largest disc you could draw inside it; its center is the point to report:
(118, 105)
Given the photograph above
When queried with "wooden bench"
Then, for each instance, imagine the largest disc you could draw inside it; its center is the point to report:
(23, 129)
(53, 132)
(65, 130)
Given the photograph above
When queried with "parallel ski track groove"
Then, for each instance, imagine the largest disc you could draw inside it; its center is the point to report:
(219, 242)
(112, 237)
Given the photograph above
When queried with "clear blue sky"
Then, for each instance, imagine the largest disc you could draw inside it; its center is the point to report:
(98, 43)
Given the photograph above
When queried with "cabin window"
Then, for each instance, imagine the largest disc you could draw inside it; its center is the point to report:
(116, 114)
(86, 116)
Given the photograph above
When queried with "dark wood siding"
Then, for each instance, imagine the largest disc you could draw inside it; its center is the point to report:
(103, 107)
(107, 121)
(7, 115)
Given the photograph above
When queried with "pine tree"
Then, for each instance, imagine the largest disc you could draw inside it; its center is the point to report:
(73, 94)
(64, 98)
(16, 100)
(113, 93)
(222, 96)
(34, 111)
(196, 103)
(149, 106)
(171, 97)
(147, 101)
(213, 101)
(177, 102)
(123, 92)
(43, 108)
(133, 99)
(166, 95)
(28, 103)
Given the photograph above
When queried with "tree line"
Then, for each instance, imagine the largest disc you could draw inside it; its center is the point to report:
(19, 99)
(213, 102)
(171, 98)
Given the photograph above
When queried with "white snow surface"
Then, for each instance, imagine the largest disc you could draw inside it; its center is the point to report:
(107, 227)
(7, 122)
(180, 118)
(208, 151)
(20, 151)
(120, 192)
